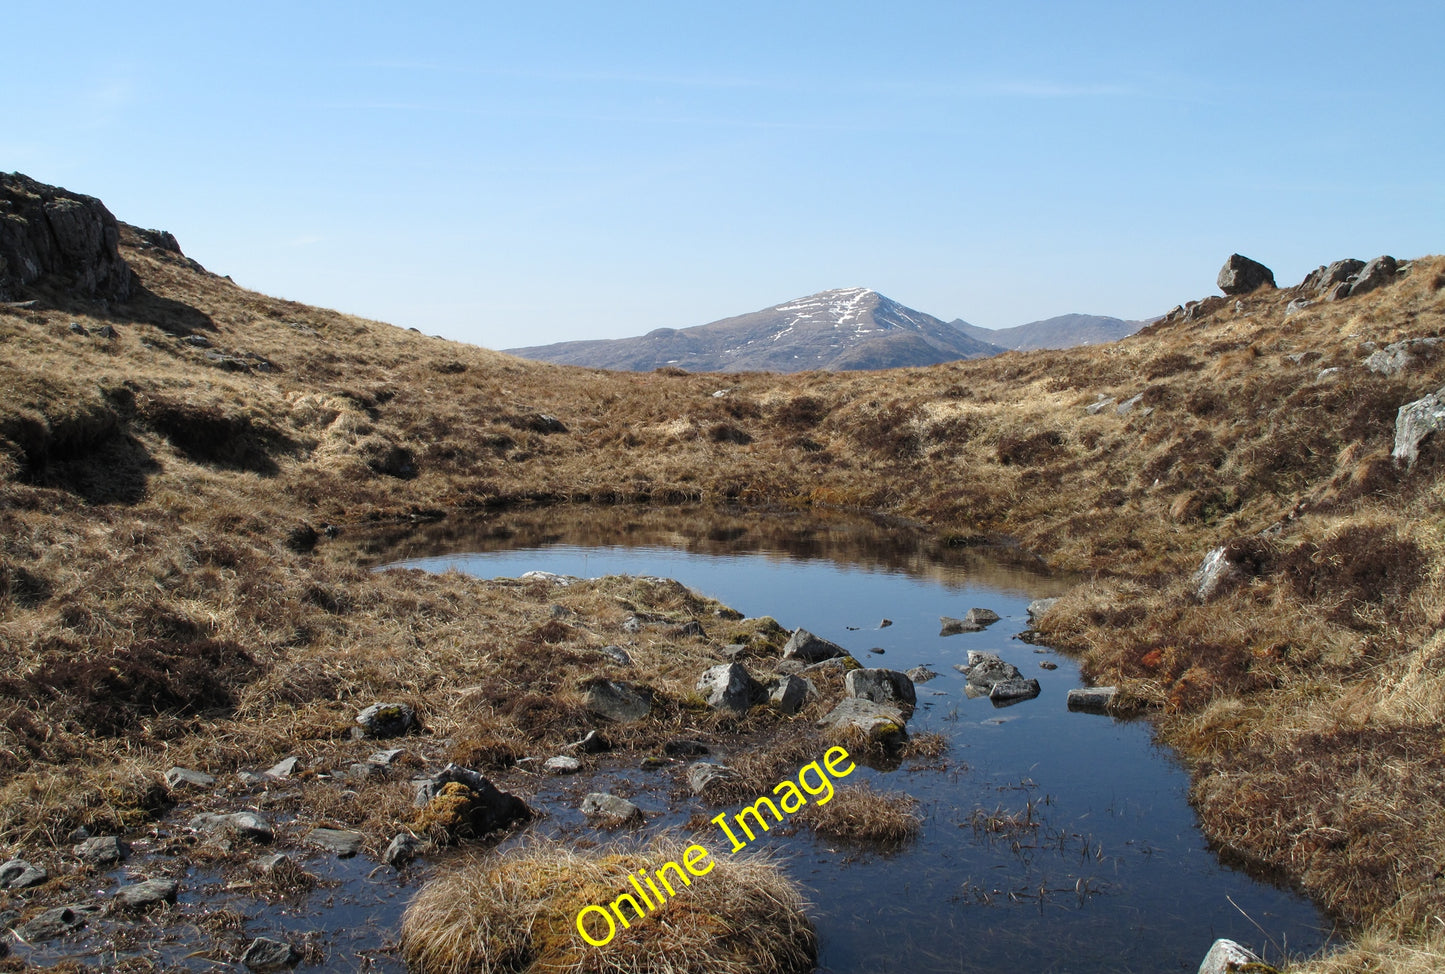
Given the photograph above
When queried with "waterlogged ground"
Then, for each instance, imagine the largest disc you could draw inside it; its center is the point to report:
(1053, 841)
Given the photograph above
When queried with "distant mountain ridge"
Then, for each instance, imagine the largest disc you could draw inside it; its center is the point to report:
(842, 330)
(1061, 331)
(845, 329)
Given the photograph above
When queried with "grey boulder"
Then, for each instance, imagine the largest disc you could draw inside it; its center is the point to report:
(704, 776)
(880, 686)
(1038, 607)
(1377, 273)
(1010, 691)
(877, 721)
(729, 686)
(1240, 275)
(103, 850)
(248, 825)
(343, 842)
(985, 670)
(617, 700)
(790, 693)
(57, 922)
(805, 646)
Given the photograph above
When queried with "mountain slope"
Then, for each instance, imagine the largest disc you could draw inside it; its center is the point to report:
(1061, 331)
(848, 329)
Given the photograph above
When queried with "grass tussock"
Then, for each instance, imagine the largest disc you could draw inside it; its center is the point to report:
(517, 913)
(858, 813)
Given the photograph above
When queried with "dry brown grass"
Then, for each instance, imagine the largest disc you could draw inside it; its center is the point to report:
(858, 813)
(516, 913)
(163, 598)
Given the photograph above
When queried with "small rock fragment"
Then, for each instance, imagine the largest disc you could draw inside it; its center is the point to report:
(340, 841)
(386, 719)
(682, 747)
(704, 776)
(610, 807)
(186, 778)
(103, 850)
(402, 850)
(138, 896)
(57, 922)
(264, 954)
(562, 764)
(284, 768)
(21, 874)
(1095, 699)
(1226, 957)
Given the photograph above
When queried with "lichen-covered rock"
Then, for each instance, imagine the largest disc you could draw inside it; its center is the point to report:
(1009, 691)
(386, 719)
(877, 721)
(458, 803)
(729, 686)
(248, 825)
(1398, 357)
(985, 670)
(1414, 422)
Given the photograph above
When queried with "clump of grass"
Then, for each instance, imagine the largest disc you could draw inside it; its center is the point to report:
(857, 813)
(516, 914)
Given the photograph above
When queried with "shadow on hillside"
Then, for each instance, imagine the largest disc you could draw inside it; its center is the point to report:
(113, 470)
(167, 314)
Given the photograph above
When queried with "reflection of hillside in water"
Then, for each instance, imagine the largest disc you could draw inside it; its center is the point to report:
(837, 537)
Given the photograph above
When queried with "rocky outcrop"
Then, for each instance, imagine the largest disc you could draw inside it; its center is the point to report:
(1414, 422)
(1240, 275)
(1402, 356)
(1345, 278)
(54, 238)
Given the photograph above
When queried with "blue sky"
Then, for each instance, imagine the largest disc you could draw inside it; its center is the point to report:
(511, 174)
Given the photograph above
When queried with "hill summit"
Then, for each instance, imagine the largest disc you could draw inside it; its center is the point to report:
(844, 329)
